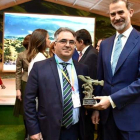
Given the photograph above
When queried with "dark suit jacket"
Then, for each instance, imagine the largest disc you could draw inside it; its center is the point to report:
(44, 83)
(90, 59)
(124, 85)
(75, 55)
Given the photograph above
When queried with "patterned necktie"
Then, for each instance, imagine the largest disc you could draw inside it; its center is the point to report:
(67, 94)
(117, 52)
(80, 56)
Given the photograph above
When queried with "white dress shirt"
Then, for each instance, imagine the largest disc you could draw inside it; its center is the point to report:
(76, 86)
(124, 40)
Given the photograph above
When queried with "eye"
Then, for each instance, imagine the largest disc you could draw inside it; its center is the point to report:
(113, 14)
(72, 42)
(63, 41)
(120, 12)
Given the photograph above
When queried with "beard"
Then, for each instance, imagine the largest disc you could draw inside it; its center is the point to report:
(121, 27)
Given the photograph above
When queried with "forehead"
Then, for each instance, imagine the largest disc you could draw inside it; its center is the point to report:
(118, 6)
(65, 35)
(99, 42)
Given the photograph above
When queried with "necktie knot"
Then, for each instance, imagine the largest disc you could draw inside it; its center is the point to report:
(120, 36)
(64, 64)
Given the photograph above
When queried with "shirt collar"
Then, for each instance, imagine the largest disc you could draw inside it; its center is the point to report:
(61, 61)
(83, 51)
(126, 33)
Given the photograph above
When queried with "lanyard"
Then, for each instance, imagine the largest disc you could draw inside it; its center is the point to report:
(72, 72)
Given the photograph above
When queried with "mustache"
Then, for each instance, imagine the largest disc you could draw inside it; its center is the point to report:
(118, 21)
(67, 48)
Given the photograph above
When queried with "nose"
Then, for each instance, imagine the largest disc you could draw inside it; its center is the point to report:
(117, 17)
(67, 43)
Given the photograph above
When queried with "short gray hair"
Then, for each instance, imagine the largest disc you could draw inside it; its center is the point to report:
(63, 29)
(127, 3)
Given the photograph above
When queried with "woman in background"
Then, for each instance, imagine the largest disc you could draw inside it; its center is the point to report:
(51, 50)
(39, 42)
(21, 79)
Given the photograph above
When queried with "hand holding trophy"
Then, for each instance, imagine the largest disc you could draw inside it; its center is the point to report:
(88, 89)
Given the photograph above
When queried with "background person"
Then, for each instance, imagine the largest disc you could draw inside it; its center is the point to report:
(99, 43)
(48, 82)
(51, 49)
(119, 67)
(39, 42)
(2, 85)
(21, 79)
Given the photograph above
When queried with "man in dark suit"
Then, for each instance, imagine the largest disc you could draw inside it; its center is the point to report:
(88, 56)
(119, 67)
(46, 81)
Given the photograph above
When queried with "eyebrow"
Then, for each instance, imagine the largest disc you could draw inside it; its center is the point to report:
(118, 12)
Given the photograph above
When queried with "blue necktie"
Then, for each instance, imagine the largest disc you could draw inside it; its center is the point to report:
(117, 52)
(67, 94)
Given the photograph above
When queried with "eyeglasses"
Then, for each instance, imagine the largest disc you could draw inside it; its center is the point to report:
(64, 41)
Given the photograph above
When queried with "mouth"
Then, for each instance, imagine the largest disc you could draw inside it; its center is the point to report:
(67, 49)
(119, 22)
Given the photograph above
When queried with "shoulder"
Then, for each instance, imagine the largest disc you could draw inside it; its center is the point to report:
(40, 56)
(80, 65)
(108, 39)
(43, 63)
(20, 54)
(92, 50)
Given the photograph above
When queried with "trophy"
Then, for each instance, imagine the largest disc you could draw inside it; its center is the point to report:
(88, 89)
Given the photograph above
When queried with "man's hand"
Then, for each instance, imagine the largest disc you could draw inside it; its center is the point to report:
(35, 137)
(18, 94)
(3, 86)
(95, 117)
(103, 104)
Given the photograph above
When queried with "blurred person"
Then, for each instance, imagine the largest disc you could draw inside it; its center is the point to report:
(88, 56)
(98, 44)
(48, 80)
(2, 85)
(119, 67)
(75, 55)
(0, 57)
(51, 49)
(39, 42)
(21, 80)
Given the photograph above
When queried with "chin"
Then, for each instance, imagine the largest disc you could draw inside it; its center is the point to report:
(119, 27)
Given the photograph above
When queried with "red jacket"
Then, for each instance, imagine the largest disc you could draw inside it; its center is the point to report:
(1, 82)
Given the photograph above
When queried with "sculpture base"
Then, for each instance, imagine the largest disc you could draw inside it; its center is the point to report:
(89, 101)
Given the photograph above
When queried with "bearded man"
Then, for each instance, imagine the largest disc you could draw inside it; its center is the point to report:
(119, 67)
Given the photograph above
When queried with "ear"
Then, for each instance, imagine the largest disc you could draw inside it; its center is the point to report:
(54, 44)
(81, 42)
(131, 11)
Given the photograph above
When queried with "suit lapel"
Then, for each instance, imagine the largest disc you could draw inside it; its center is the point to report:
(85, 54)
(108, 54)
(129, 46)
(56, 75)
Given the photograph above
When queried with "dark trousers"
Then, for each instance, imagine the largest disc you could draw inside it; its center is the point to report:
(111, 132)
(89, 128)
(69, 134)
